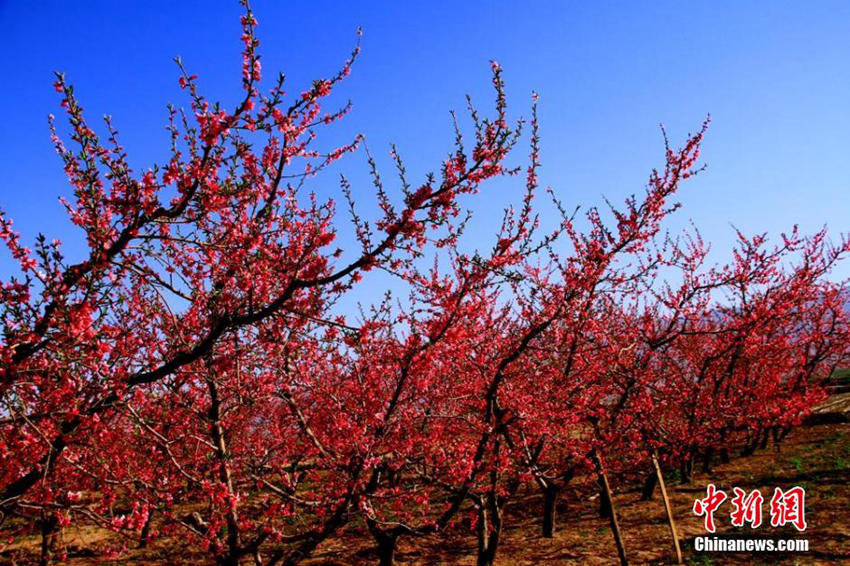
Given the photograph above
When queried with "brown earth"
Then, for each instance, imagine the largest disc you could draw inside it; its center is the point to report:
(816, 456)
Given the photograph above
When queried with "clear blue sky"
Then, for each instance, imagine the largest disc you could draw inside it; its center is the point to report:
(775, 76)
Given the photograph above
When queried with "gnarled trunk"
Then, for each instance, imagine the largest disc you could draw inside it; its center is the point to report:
(222, 454)
(604, 501)
(550, 502)
(551, 488)
(146, 531)
(386, 541)
(765, 438)
(489, 530)
(49, 527)
(648, 488)
(706, 460)
(687, 468)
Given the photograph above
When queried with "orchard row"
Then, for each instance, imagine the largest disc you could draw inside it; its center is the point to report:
(191, 376)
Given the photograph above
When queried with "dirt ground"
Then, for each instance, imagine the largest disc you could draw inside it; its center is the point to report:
(816, 457)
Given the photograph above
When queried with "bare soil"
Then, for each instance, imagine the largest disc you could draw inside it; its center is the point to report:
(816, 456)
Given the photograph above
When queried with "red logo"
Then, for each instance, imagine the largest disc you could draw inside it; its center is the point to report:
(786, 507)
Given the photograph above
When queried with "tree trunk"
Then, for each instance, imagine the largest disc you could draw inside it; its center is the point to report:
(488, 534)
(386, 541)
(687, 468)
(648, 488)
(49, 535)
(146, 531)
(764, 439)
(724, 455)
(217, 435)
(604, 502)
(668, 507)
(386, 552)
(706, 460)
(615, 526)
(550, 501)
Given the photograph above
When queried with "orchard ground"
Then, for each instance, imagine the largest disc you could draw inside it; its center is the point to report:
(815, 456)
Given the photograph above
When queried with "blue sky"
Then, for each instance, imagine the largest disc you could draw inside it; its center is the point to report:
(775, 76)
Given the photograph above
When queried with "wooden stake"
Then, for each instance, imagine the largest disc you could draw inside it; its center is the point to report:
(668, 507)
(615, 526)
